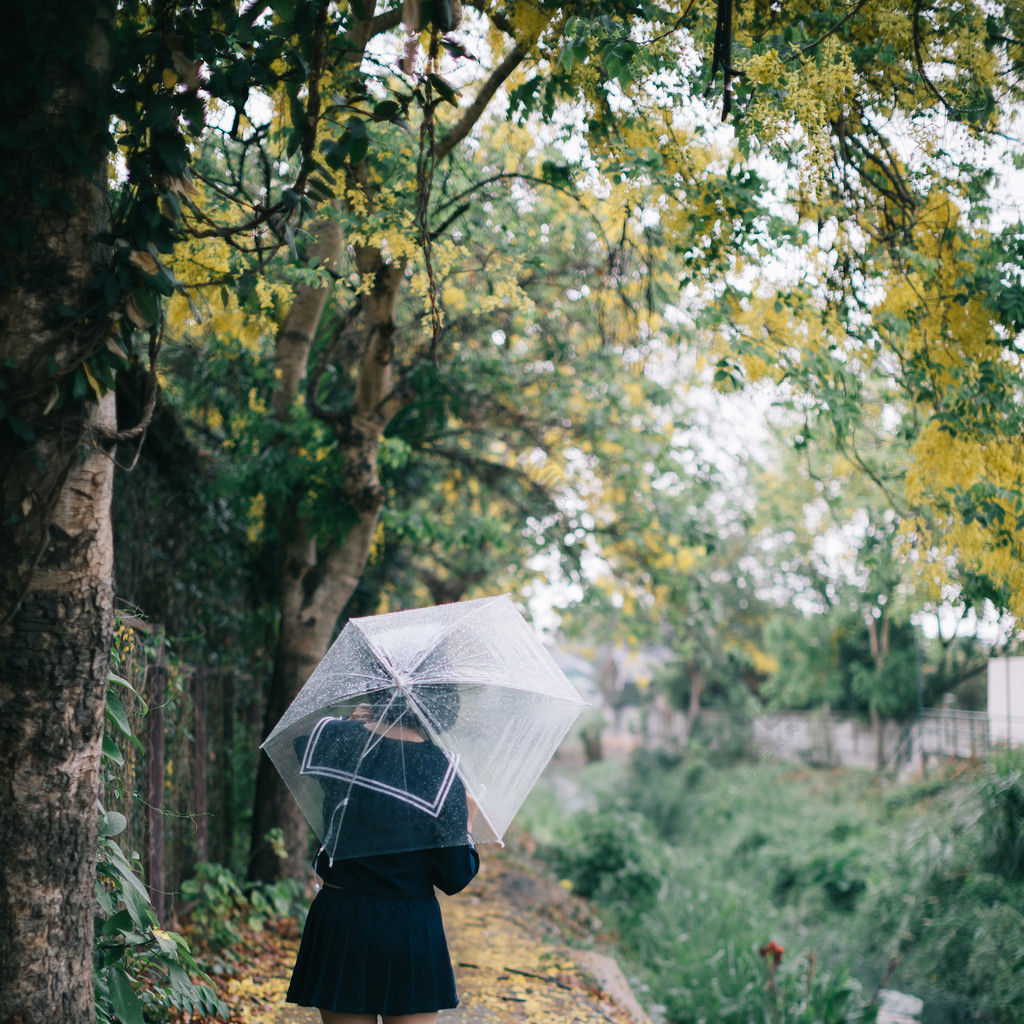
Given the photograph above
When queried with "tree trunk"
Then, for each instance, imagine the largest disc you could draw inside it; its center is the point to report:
(878, 736)
(56, 550)
(878, 641)
(697, 681)
(317, 581)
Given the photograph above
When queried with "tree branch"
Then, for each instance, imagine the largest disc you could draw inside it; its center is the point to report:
(386, 21)
(919, 58)
(807, 47)
(327, 356)
(473, 112)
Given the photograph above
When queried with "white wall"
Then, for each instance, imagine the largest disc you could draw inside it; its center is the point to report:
(1006, 700)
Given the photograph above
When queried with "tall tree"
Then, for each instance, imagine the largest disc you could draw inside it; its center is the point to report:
(825, 86)
(812, 92)
(56, 591)
(834, 553)
(916, 280)
(81, 289)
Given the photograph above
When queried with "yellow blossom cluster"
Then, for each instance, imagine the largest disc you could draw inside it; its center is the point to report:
(943, 463)
(815, 91)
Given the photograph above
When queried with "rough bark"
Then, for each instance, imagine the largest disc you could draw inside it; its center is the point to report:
(697, 681)
(878, 639)
(56, 564)
(317, 580)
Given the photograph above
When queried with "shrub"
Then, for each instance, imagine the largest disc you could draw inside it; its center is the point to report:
(841, 880)
(613, 858)
(659, 787)
(995, 968)
(139, 970)
(1001, 790)
(221, 909)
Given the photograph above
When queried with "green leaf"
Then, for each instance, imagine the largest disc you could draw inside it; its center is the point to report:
(181, 983)
(113, 823)
(289, 236)
(358, 149)
(172, 152)
(21, 429)
(319, 190)
(123, 998)
(336, 151)
(111, 751)
(385, 110)
(113, 678)
(119, 870)
(117, 715)
(136, 900)
(117, 924)
(147, 304)
(297, 110)
(443, 89)
(556, 174)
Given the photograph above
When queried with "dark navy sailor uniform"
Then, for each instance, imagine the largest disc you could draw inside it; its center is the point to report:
(374, 941)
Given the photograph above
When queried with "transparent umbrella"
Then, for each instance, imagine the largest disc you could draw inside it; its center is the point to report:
(411, 712)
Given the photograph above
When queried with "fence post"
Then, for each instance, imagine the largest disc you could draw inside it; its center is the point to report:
(227, 768)
(200, 697)
(156, 695)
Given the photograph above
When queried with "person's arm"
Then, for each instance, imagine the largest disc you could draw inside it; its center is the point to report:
(454, 867)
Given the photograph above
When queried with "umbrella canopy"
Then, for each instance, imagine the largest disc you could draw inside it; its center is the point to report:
(410, 711)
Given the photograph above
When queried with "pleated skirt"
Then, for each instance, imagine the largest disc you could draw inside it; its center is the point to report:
(365, 954)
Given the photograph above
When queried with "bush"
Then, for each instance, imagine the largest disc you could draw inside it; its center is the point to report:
(613, 858)
(659, 788)
(221, 909)
(1001, 792)
(995, 968)
(140, 971)
(946, 908)
(841, 880)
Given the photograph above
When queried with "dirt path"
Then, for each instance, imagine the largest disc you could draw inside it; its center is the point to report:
(510, 936)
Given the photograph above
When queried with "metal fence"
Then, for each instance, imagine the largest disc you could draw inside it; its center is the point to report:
(947, 733)
(944, 732)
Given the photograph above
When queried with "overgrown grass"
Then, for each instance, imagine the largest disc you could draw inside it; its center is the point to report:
(699, 866)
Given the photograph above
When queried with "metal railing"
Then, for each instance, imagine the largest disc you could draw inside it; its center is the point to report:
(945, 732)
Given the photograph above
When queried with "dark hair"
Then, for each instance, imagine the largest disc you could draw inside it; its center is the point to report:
(433, 704)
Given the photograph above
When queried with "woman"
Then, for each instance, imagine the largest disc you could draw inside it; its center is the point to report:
(374, 941)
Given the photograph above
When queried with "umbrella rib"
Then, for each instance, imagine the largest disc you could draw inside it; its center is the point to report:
(483, 813)
(466, 684)
(380, 655)
(451, 628)
(386, 661)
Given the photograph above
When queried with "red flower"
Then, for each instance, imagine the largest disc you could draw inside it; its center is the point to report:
(773, 950)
